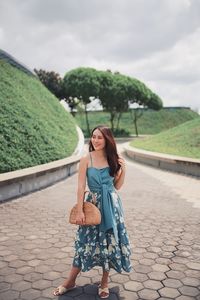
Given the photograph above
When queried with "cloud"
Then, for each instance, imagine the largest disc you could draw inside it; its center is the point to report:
(154, 41)
(177, 64)
(1, 35)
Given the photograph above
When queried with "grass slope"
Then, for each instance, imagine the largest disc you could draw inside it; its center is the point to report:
(34, 127)
(151, 122)
(183, 140)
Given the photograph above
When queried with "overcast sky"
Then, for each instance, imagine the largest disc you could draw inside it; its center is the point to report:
(155, 41)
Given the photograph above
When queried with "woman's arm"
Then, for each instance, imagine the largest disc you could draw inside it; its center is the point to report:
(81, 189)
(119, 178)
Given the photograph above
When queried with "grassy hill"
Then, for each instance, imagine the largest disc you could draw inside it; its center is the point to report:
(34, 127)
(151, 122)
(183, 140)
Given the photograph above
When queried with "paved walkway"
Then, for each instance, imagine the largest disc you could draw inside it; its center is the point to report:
(162, 212)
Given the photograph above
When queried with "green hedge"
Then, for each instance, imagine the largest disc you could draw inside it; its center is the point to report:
(34, 127)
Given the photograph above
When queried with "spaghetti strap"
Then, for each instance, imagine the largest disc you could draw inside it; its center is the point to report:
(91, 159)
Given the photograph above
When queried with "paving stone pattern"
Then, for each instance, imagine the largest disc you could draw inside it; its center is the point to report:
(36, 246)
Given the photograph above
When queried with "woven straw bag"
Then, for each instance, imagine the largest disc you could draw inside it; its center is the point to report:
(91, 212)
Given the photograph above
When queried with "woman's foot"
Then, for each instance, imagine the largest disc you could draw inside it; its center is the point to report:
(64, 288)
(103, 291)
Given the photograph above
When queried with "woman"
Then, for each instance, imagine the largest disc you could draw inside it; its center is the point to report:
(107, 244)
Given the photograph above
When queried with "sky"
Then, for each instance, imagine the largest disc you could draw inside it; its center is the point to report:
(155, 41)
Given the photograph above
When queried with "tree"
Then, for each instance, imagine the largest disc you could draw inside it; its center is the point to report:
(83, 84)
(144, 98)
(136, 114)
(52, 81)
(121, 96)
(113, 95)
(154, 102)
(73, 103)
(115, 91)
(106, 93)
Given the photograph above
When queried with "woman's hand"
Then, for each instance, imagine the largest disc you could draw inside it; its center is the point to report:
(80, 218)
(121, 161)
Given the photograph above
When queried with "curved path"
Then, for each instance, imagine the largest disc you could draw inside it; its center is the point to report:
(162, 212)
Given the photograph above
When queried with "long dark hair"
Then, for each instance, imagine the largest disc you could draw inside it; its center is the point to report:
(110, 148)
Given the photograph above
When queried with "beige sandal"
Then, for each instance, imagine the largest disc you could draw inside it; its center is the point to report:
(103, 290)
(60, 290)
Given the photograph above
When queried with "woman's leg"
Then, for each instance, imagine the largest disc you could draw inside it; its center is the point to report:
(70, 281)
(104, 279)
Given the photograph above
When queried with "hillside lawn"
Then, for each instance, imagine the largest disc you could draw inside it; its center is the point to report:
(34, 127)
(151, 122)
(183, 140)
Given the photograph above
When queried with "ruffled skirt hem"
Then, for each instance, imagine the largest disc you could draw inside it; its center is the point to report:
(105, 266)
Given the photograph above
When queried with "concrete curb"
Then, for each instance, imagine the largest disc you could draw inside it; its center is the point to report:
(21, 182)
(168, 162)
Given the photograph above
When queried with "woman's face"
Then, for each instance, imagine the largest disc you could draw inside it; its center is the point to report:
(98, 140)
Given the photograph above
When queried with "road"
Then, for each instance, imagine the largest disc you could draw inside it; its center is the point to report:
(162, 212)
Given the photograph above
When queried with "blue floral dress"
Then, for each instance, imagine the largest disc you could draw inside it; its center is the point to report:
(106, 245)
